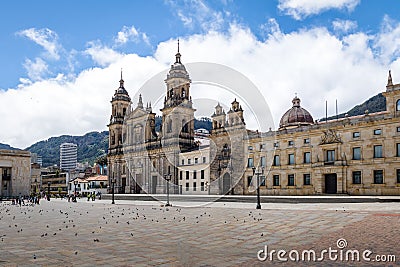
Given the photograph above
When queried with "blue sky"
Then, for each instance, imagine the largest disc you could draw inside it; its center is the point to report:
(57, 55)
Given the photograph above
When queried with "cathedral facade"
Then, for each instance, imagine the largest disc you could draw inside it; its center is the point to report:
(140, 159)
(357, 155)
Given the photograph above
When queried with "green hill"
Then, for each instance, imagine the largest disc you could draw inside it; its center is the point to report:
(374, 104)
(8, 147)
(90, 146)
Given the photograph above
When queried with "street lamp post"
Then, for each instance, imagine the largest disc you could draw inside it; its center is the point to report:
(75, 184)
(219, 174)
(167, 178)
(112, 190)
(258, 185)
(48, 191)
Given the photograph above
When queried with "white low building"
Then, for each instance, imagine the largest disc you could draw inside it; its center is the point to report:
(194, 169)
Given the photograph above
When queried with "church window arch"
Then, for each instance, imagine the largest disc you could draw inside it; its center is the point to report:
(138, 133)
(169, 126)
(398, 105)
(185, 127)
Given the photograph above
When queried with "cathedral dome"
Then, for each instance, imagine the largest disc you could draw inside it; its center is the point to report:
(178, 70)
(121, 93)
(296, 116)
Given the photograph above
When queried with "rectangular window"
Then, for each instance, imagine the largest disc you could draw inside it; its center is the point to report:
(262, 146)
(187, 175)
(276, 144)
(357, 177)
(194, 186)
(202, 174)
(330, 155)
(356, 134)
(291, 159)
(307, 179)
(202, 186)
(378, 151)
(183, 162)
(307, 141)
(263, 161)
(377, 132)
(249, 178)
(196, 160)
(189, 161)
(204, 159)
(291, 180)
(262, 180)
(180, 175)
(398, 150)
(398, 129)
(290, 143)
(276, 160)
(250, 162)
(194, 174)
(250, 148)
(275, 180)
(307, 157)
(378, 176)
(187, 186)
(398, 176)
(356, 153)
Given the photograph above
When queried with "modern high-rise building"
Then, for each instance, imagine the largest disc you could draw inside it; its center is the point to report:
(68, 156)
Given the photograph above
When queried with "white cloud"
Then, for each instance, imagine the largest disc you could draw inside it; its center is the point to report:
(387, 42)
(271, 28)
(36, 69)
(300, 9)
(101, 54)
(130, 34)
(344, 26)
(46, 38)
(196, 13)
(314, 63)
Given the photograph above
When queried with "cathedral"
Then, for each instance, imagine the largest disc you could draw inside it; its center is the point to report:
(140, 159)
(355, 155)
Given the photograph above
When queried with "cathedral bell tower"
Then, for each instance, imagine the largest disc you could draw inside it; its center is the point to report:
(178, 111)
(120, 106)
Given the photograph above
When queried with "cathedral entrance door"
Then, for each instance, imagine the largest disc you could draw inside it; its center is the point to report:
(226, 183)
(331, 183)
(123, 185)
(153, 185)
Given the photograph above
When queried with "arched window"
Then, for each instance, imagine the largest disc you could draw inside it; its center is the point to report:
(169, 126)
(185, 127)
(398, 105)
(138, 134)
(112, 139)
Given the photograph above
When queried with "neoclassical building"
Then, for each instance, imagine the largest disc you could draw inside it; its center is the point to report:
(357, 155)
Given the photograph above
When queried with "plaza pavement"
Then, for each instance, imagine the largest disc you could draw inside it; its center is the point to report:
(145, 233)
